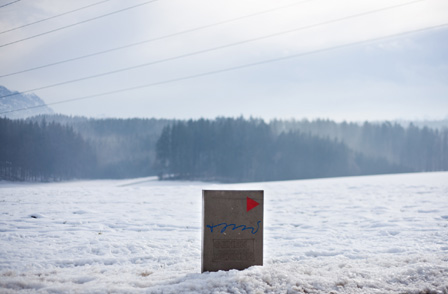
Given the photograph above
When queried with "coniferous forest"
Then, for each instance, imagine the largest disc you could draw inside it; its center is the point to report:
(31, 151)
(234, 150)
(53, 148)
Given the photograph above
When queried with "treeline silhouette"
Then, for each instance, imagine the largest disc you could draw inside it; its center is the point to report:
(58, 147)
(416, 148)
(238, 150)
(124, 148)
(31, 151)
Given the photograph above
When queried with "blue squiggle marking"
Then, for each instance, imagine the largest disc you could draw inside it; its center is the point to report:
(234, 227)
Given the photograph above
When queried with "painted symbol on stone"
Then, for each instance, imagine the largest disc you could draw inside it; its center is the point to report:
(253, 230)
(251, 204)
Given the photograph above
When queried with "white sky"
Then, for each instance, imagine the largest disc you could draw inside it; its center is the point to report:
(398, 78)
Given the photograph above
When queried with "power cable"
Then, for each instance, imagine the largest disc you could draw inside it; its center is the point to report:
(229, 69)
(1, 6)
(78, 23)
(213, 49)
(54, 16)
(155, 39)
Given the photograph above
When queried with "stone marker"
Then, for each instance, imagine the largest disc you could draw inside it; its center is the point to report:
(232, 229)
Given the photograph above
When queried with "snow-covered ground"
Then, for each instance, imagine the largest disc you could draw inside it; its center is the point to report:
(376, 234)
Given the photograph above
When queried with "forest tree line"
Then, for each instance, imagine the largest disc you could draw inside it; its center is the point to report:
(58, 147)
(124, 148)
(416, 148)
(239, 150)
(31, 151)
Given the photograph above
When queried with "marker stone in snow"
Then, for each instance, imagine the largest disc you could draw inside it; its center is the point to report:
(232, 229)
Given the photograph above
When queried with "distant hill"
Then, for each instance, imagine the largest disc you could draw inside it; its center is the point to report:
(25, 102)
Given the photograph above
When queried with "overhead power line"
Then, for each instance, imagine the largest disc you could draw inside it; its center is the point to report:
(157, 38)
(213, 49)
(229, 69)
(78, 23)
(1, 6)
(54, 16)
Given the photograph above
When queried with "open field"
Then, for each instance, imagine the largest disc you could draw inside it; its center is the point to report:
(374, 234)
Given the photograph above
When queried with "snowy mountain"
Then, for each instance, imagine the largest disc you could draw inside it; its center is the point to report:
(27, 105)
(383, 234)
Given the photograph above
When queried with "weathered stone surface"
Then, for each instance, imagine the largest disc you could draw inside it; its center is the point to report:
(232, 229)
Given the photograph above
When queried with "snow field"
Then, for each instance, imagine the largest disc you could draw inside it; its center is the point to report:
(376, 234)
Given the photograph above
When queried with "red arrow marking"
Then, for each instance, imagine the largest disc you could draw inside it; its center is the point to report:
(250, 204)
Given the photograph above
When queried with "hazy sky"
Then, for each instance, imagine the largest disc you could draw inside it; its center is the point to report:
(404, 77)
